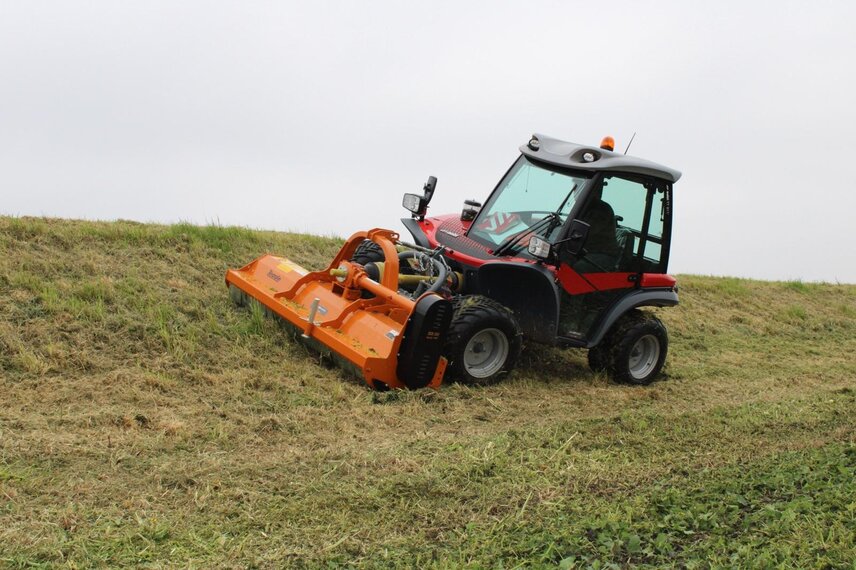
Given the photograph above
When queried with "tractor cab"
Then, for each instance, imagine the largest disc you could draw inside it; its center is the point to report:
(573, 240)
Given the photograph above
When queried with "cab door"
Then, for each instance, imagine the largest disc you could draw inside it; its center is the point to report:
(629, 217)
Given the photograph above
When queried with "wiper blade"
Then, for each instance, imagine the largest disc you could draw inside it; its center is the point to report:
(515, 239)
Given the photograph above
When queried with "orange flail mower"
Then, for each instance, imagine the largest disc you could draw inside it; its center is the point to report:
(390, 339)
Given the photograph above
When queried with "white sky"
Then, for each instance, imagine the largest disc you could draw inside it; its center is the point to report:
(317, 116)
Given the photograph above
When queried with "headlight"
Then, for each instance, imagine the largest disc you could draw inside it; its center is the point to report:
(539, 247)
(412, 203)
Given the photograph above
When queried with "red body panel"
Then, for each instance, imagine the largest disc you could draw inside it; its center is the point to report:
(657, 280)
(573, 282)
(475, 255)
(577, 284)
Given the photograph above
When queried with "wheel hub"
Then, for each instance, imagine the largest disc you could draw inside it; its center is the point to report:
(486, 353)
(644, 356)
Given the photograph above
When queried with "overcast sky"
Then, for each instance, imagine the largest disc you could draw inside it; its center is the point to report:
(317, 116)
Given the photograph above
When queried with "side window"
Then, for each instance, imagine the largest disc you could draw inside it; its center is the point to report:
(618, 223)
(628, 199)
(616, 218)
(653, 253)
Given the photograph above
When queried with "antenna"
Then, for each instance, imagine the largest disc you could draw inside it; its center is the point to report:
(630, 143)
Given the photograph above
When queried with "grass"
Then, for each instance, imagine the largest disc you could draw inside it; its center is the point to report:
(147, 422)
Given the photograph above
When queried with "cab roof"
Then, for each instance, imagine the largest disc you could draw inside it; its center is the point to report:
(572, 155)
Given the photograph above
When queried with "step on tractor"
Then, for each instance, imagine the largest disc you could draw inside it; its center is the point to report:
(567, 250)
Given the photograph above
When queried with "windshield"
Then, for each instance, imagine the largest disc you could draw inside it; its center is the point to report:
(528, 194)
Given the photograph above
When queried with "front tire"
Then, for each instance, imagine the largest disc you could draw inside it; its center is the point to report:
(638, 347)
(484, 340)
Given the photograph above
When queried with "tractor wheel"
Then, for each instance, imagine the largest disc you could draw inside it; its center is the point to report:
(367, 252)
(597, 358)
(637, 348)
(483, 342)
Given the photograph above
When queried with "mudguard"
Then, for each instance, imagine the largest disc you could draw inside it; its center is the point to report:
(419, 237)
(529, 290)
(638, 298)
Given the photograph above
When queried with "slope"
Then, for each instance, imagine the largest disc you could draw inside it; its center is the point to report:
(145, 420)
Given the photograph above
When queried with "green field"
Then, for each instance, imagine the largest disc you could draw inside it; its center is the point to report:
(147, 421)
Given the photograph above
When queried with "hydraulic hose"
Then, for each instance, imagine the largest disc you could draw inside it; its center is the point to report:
(442, 270)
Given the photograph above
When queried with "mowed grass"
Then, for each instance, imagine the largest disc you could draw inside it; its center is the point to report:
(146, 421)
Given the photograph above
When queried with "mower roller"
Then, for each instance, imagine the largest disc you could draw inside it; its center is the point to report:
(569, 248)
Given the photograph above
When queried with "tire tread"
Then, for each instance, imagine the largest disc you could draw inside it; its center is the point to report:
(620, 339)
(469, 312)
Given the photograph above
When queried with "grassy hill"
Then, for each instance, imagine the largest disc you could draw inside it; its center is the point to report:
(145, 420)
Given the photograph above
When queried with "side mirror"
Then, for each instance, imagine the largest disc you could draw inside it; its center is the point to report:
(577, 236)
(428, 189)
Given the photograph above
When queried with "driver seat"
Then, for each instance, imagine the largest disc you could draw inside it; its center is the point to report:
(602, 240)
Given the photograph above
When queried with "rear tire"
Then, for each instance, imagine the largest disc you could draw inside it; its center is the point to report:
(484, 340)
(637, 348)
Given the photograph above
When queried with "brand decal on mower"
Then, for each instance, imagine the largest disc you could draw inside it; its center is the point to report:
(287, 266)
(274, 276)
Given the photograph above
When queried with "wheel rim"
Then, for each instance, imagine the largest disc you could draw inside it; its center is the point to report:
(644, 356)
(485, 353)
